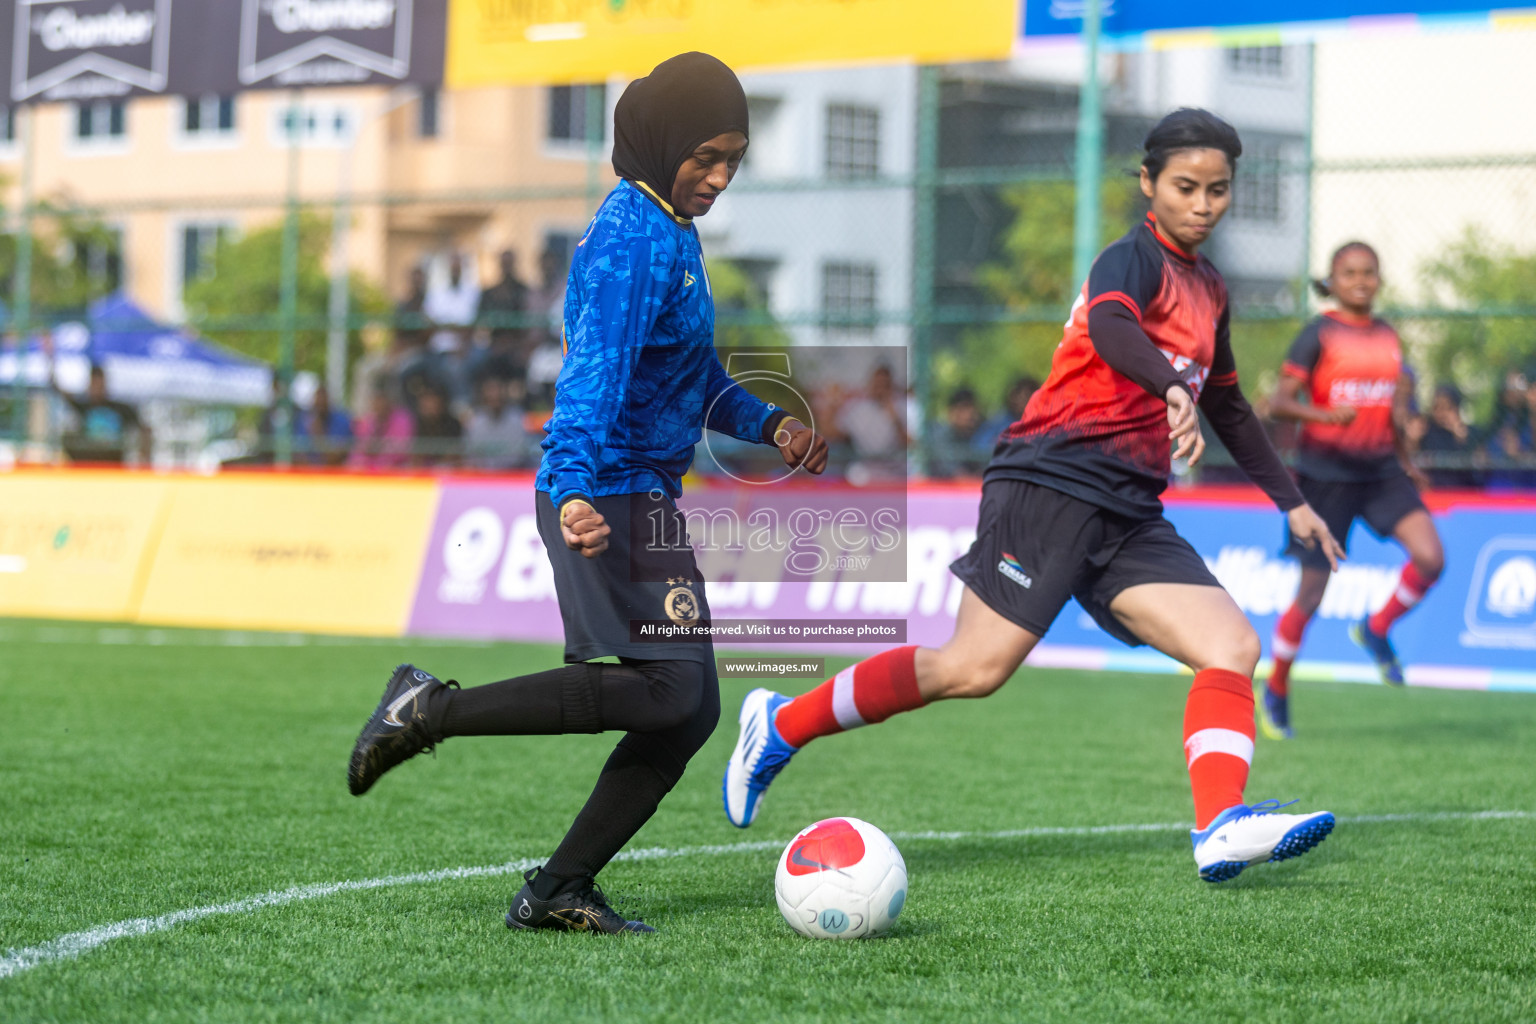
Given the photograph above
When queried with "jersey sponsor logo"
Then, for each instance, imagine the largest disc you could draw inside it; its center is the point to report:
(688, 279)
(1362, 392)
(1189, 371)
(1010, 567)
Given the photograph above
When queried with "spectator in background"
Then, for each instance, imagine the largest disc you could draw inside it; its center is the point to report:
(1448, 443)
(439, 434)
(326, 432)
(506, 298)
(105, 427)
(496, 437)
(546, 304)
(277, 420)
(411, 326)
(1513, 409)
(957, 451)
(382, 437)
(1018, 396)
(451, 302)
(874, 426)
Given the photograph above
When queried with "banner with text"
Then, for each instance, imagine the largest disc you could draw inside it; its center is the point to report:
(1134, 24)
(502, 42)
(485, 575)
(321, 555)
(76, 545)
(53, 50)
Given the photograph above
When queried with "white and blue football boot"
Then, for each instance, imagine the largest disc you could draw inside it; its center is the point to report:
(760, 755)
(1241, 836)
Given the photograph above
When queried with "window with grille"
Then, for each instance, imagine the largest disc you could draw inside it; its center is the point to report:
(853, 141)
(1257, 191)
(101, 259)
(206, 117)
(103, 119)
(568, 111)
(427, 124)
(848, 295)
(199, 243)
(1257, 61)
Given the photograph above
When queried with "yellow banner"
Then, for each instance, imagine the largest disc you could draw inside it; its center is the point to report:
(76, 544)
(505, 42)
(321, 555)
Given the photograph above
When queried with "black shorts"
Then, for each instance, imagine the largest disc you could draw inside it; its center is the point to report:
(1036, 547)
(1380, 504)
(635, 580)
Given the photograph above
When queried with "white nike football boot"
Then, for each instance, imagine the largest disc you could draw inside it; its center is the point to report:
(1242, 835)
(760, 755)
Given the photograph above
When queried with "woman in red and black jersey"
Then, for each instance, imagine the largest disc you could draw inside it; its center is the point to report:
(1070, 508)
(1352, 463)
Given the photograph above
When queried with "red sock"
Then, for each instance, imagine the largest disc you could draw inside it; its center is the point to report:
(869, 692)
(1283, 648)
(1218, 740)
(1411, 586)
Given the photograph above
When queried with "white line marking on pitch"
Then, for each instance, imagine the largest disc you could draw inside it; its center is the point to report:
(68, 947)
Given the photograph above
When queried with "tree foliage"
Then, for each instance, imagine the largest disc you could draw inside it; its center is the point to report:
(245, 285)
(1476, 273)
(1030, 275)
(62, 282)
(742, 316)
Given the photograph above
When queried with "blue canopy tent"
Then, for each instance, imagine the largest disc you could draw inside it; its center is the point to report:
(143, 360)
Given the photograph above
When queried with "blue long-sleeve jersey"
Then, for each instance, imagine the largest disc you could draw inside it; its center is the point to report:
(641, 378)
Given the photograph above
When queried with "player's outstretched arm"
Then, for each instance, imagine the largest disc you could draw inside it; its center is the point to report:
(801, 446)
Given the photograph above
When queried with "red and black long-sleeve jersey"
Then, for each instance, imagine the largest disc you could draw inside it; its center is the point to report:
(1149, 318)
(1355, 362)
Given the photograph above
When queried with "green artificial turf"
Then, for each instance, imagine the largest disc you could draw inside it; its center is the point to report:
(166, 770)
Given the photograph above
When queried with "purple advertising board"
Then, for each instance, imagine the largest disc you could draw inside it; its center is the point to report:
(485, 575)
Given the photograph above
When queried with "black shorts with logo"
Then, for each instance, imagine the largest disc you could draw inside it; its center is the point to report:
(1036, 547)
(1380, 504)
(647, 575)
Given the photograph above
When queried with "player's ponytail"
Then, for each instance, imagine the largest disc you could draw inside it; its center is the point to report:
(1189, 128)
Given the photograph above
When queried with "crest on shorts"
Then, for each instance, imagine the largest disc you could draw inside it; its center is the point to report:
(680, 604)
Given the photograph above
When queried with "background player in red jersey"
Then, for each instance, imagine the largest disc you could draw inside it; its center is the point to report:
(1070, 508)
(1352, 464)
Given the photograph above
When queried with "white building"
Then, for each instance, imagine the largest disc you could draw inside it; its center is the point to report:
(1421, 137)
(809, 218)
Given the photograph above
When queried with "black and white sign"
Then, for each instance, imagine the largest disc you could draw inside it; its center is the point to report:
(324, 42)
(82, 49)
(79, 49)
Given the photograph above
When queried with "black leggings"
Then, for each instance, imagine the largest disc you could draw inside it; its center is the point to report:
(668, 709)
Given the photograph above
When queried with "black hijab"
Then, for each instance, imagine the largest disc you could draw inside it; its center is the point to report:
(662, 118)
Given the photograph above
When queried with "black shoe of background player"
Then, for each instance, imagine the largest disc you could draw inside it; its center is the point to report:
(401, 727)
(584, 910)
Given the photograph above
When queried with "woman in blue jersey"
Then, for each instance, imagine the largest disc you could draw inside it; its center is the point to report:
(640, 381)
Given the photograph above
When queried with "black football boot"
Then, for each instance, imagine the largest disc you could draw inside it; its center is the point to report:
(400, 728)
(585, 910)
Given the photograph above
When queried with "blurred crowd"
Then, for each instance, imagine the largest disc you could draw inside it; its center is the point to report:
(1496, 454)
(467, 379)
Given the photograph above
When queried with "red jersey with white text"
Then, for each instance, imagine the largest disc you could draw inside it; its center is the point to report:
(1090, 431)
(1355, 362)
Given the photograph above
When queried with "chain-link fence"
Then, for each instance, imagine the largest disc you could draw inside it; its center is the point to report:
(391, 299)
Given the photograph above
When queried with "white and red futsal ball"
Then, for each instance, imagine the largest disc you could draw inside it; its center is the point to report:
(841, 878)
